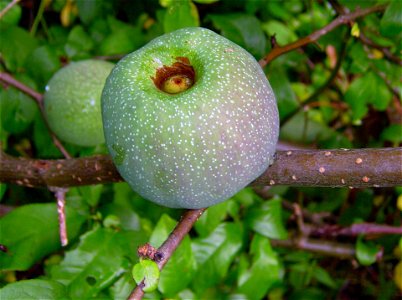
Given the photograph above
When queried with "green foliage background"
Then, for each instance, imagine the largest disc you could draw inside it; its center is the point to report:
(228, 254)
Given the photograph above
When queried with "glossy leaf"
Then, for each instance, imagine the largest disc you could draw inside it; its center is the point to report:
(256, 281)
(122, 288)
(283, 34)
(100, 259)
(215, 253)
(31, 232)
(368, 89)
(211, 218)
(266, 219)
(244, 30)
(34, 289)
(391, 21)
(180, 14)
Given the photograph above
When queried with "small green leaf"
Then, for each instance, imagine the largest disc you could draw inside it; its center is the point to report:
(355, 31)
(34, 289)
(266, 219)
(31, 232)
(366, 252)
(244, 30)
(148, 271)
(180, 14)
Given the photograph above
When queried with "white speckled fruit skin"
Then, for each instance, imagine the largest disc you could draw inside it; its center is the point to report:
(199, 147)
(73, 102)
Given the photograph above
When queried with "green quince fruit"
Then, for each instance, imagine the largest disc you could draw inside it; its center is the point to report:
(73, 102)
(189, 119)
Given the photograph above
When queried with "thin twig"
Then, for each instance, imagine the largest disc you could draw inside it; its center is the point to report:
(8, 7)
(61, 204)
(327, 248)
(10, 80)
(355, 230)
(165, 251)
(342, 19)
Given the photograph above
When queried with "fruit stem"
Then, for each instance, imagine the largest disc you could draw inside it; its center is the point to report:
(177, 78)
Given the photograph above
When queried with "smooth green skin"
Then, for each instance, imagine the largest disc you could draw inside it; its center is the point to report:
(72, 102)
(198, 147)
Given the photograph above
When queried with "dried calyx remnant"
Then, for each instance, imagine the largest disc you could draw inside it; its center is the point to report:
(178, 77)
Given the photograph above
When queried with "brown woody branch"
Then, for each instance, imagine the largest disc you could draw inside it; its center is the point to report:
(10, 80)
(340, 20)
(331, 168)
(165, 251)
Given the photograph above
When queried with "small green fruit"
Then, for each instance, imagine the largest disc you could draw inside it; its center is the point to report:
(189, 119)
(72, 102)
